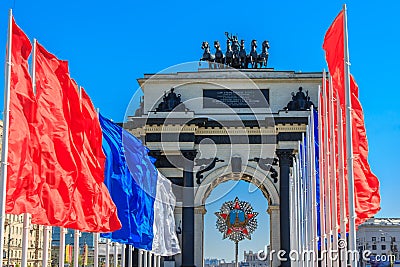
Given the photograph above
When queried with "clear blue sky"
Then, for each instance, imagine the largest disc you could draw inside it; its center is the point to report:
(111, 43)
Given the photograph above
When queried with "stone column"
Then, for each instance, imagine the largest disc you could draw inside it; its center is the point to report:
(285, 162)
(188, 210)
(274, 234)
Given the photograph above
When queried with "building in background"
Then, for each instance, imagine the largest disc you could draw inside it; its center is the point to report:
(12, 253)
(381, 237)
(84, 239)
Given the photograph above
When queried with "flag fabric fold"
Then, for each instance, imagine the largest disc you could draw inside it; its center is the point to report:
(367, 198)
(55, 170)
(143, 196)
(23, 154)
(131, 178)
(165, 242)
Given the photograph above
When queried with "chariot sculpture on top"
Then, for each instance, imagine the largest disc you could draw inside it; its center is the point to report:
(235, 55)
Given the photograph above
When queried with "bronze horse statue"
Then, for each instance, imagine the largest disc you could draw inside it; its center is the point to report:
(262, 59)
(219, 55)
(253, 57)
(235, 55)
(207, 56)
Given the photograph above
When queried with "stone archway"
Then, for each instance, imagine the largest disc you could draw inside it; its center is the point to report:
(251, 175)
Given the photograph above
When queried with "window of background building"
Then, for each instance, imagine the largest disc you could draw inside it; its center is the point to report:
(383, 247)
(383, 239)
(373, 247)
(374, 238)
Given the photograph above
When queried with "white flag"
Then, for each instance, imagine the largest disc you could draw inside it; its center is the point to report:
(165, 241)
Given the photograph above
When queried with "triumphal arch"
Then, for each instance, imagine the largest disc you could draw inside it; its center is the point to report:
(212, 123)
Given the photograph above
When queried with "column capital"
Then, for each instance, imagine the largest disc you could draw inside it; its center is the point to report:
(274, 208)
(285, 156)
(200, 210)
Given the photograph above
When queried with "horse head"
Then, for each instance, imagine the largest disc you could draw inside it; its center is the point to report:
(217, 46)
(265, 45)
(254, 44)
(205, 46)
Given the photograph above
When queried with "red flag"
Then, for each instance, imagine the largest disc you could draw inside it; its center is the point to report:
(334, 54)
(72, 167)
(366, 185)
(22, 183)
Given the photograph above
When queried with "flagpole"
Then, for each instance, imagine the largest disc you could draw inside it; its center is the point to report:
(107, 252)
(96, 249)
(123, 255)
(130, 256)
(309, 188)
(150, 262)
(26, 227)
(342, 185)
(294, 208)
(321, 175)
(62, 247)
(4, 151)
(349, 144)
(76, 248)
(45, 254)
(145, 258)
(115, 254)
(332, 160)
(314, 186)
(326, 170)
(25, 236)
(46, 229)
(295, 202)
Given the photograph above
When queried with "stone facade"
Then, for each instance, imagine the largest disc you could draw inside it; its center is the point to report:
(381, 236)
(239, 137)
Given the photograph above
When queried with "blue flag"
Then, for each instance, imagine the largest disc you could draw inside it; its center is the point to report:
(316, 146)
(131, 178)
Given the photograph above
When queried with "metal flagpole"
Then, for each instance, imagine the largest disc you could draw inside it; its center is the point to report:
(76, 248)
(321, 178)
(296, 164)
(115, 254)
(122, 255)
(304, 196)
(96, 249)
(236, 254)
(159, 261)
(292, 217)
(26, 217)
(150, 259)
(4, 151)
(145, 258)
(349, 145)
(302, 199)
(107, 252)
(309, 192)
(314, 187)
(327, 178)
(332, 161)
(62, 247)
(295, 212)
(45, 254)
(140, 256)
(342, 186)
(25, 235)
